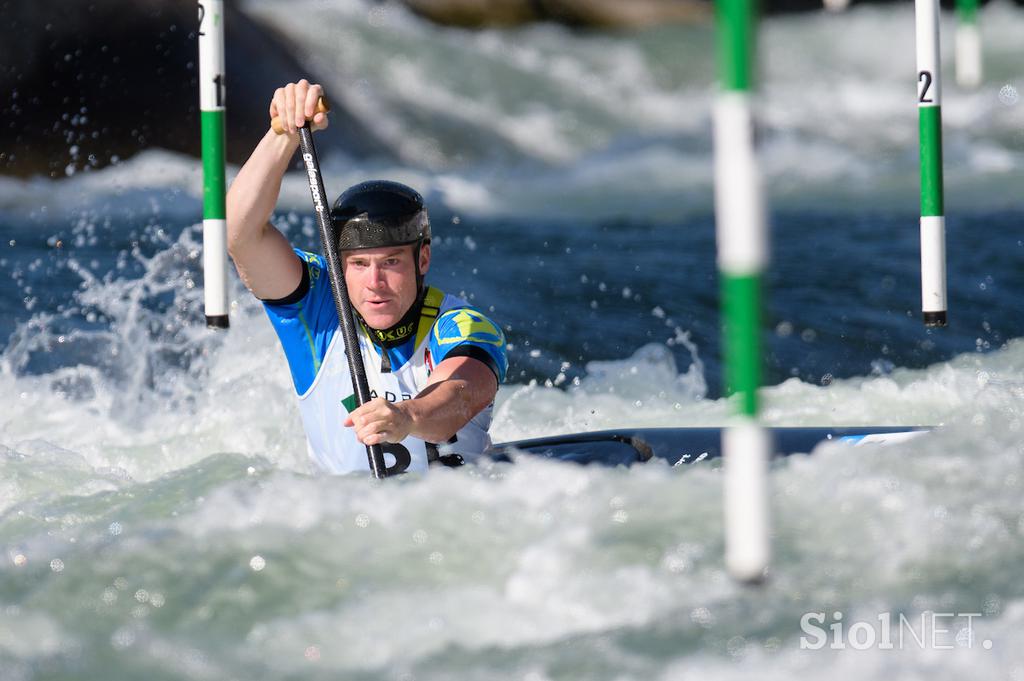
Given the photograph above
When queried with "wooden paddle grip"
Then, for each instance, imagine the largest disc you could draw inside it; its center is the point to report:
(321, 107)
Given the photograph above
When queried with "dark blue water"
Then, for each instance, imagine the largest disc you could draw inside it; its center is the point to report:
(842, 294)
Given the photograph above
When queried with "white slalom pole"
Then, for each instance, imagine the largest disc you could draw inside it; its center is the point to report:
(933, 221)
(746, 448)
(968, 44)
(211, 107)
(742, 235)
(836, 5)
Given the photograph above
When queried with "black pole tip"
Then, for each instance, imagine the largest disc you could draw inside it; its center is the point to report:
(933, 319)
(754, 581)
(219, 321)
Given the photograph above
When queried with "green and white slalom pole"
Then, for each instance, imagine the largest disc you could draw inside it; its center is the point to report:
(211, 107)
(968, 44)
(929, 108)
(742, 234)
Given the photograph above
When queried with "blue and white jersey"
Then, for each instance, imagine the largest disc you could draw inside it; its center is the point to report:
(308, 328)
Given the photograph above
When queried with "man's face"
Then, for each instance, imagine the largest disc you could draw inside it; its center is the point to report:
(381, 282)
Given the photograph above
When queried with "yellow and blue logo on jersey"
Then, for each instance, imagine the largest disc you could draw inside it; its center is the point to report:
(314, 264)
(462, 328)
(468, 325)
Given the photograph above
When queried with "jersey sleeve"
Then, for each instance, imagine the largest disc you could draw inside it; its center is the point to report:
(305, 321)
(466, 332)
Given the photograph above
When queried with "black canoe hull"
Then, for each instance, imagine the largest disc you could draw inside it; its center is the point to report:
(678, 446)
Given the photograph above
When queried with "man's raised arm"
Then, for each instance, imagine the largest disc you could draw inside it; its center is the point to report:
(262, 255)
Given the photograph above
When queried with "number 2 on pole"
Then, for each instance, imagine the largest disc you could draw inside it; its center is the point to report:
(925, 76)
(202, 15)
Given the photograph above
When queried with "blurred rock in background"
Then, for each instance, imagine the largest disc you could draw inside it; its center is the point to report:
(589, 13)
(85, 83)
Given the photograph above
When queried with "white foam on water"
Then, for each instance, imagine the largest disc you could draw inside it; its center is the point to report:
(144, 393)
(494, 570)
(580, 105)
(31, 634)
(546, 121)
(503, 569)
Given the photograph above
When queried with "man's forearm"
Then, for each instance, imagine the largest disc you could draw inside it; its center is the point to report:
(443, 408)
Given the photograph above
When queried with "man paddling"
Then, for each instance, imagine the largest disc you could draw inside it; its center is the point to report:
(432, 361)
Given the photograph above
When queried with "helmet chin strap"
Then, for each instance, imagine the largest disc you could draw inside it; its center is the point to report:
(416, 264)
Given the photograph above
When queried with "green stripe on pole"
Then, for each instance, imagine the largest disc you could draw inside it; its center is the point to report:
(931, 160)
(214, 185)
(967, 11)
(734, 20)
(741, 300)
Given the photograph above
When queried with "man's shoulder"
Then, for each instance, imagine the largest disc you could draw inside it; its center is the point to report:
(311, 304)
(315, 282)
(313, 261)
(462, 323)
(465, 331)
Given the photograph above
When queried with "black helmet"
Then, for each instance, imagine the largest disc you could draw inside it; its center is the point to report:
(379, 213)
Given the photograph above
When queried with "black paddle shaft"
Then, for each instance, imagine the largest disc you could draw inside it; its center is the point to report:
(375, 453)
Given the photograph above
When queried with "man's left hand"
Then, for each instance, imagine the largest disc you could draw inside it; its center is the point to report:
(379, 421)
